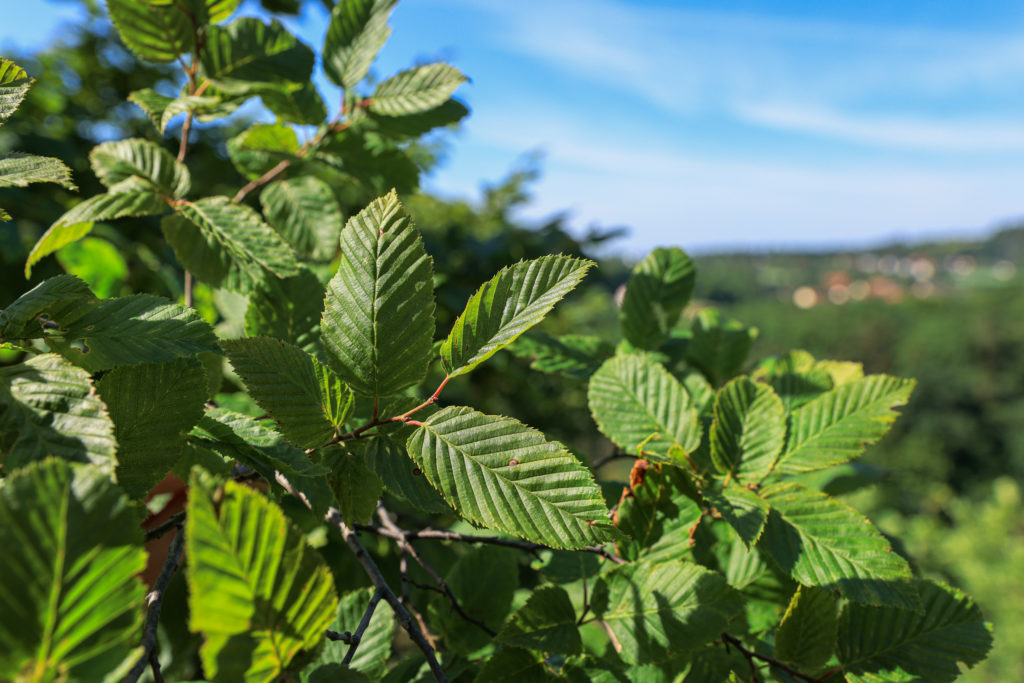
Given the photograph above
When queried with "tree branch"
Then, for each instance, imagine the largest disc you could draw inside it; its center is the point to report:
(277, 170)
(446, 590)
(154, 600)
(175, 520)
(356, 637)
(750, 656)
(371, 569)
(436, 534)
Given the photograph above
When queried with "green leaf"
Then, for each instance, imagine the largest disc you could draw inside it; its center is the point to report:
(483, 582)
(235, 244)
(806, 638)
(749, 430)
(497, 472)
(247, 52)
(139, 165)
(306, 213)
(133, 329)
(300, 104)
(659, 610)
(49, 407)
(356, 488)
(658, 291)
(797, 388)
(358, 29)
(547, 622)
(153, 407)
(14, 84)
(375, 644)
(412, 126)
(77, 222)
(212, 11)
(514, 665)
(20, 170)
(744, 510)
(392, 465)
(155, 31)
(571, 355)
(52, 302)
(257, 592)
(71, 603)
(378, 319)
(822, 542)
(239, 437)
(287, 309)
(416, 90)
(835, 427)
(636, 402)
(161, 109)
(655, 516)
(306, 399)
(262, 146)
(511, 302)
(889, 644)
(719, 346)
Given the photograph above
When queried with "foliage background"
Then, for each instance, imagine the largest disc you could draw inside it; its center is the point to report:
(949, 472)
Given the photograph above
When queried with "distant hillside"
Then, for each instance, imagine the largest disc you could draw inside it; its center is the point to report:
(890, 273)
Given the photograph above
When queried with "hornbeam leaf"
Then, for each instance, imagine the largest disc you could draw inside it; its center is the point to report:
(248, 52)
(300, 104)
(257, 592)
(820, 541)
(288, 309)
(416, 90)
(398, 472)
(497, 472)
(547, 622)
(744, 510)
(572, 355)
(412, 126)
(719, 346)
(658, 291)
(306, 213)
(78, 221)
(306, 399)
(749, 430)
(636, 402)
(139, 165)
(374, 645)
(133, 329)
(162, 109)
(515, 665)
(891, 644)
(153, 407)
(836, 426)
(212, 11)
(806, 638)
(14, 83)
(511, 302)
(71, 603)
(378, 318)
(656, 517)
(262, 146)
(157, 32)
(49, 407)
(659, 610)
(358, 29)
(53, 302)
(240, 437)
(236, 247)
(19, 170)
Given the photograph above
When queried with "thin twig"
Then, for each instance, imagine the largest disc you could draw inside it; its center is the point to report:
(605, 459)
(154, 666)
(154, 600)
(333, 517)
(364, 623)
(345, 637)
(750, 656)
(371, 569)
(186, 128)
(441, 535)
(174, 520)
(277, 170)
(446, 590)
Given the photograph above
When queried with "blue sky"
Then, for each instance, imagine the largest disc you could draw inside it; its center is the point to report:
(724, 124)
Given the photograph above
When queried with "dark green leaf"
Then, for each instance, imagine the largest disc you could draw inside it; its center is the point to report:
(248, 52)
(572, 355)
(547, 622)
(806, 638)
(287, 309)
(155, 31)
(658, 291)
(374, 648)
(719, 346)
(401, 477)
(306, 213)
(749, 430)
(53, 302)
